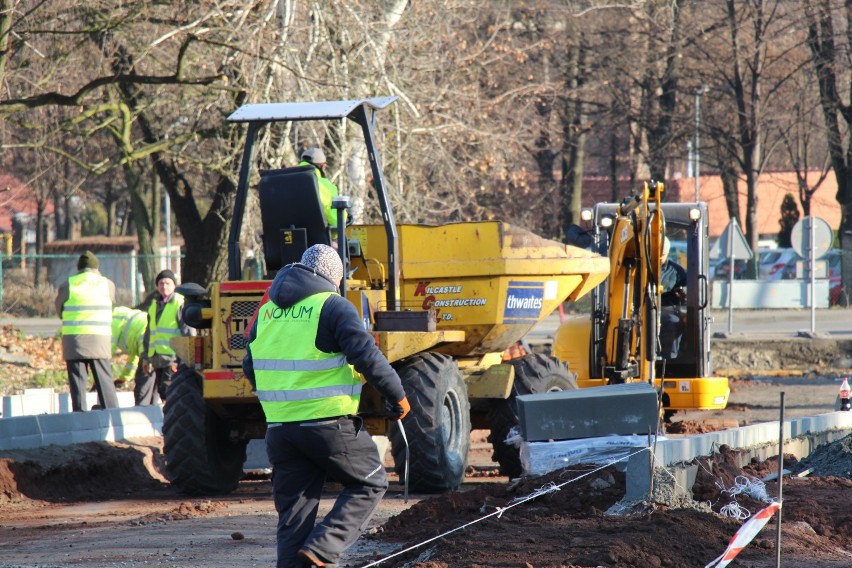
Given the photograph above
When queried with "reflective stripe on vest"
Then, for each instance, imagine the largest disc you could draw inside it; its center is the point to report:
(88, 310)
(165, 328)
(295, 380)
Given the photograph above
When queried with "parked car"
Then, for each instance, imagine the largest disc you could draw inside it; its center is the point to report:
(775, 263)
(721, 268)
(835, 289)
(832, 260)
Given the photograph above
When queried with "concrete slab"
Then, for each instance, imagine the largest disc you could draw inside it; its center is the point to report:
(24, 432)
(801, 437)
(47, 401)
(111, 425)
(586, 413)
(661, 471)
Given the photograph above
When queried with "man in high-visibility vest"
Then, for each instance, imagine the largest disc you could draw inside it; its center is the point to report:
(673, 280)
(84, 303)
(165, 320)
(128, 336)
(303, 347)
(328, 191)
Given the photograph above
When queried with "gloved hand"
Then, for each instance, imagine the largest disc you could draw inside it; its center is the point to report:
(398, 410)
(147, 366)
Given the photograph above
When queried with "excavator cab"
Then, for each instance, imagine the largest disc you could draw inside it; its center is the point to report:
(690, 250)
(622, 341)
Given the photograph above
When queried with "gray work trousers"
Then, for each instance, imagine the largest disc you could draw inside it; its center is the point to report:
(78, 381)
(303, 455)
(151, 388)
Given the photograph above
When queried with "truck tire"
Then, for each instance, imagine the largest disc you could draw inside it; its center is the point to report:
(201, 459)
(438, 426)
(534, 373)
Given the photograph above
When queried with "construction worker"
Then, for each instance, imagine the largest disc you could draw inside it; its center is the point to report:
(165, 320)
(84, 303)
(673, 286)
(128, 336)
(327, 190)
(302, 349)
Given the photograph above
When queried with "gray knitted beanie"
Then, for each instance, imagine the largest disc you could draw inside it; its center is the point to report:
(325, 261)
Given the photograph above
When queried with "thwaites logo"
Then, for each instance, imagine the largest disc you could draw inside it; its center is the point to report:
(524, 301)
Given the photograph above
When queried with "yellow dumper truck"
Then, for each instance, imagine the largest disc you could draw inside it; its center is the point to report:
(443, 303)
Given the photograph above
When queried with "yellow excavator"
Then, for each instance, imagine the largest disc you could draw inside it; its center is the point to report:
(621, 341)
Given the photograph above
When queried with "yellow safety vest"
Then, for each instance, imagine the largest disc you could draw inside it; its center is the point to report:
(128, 335)
(295, 380)
(327, 192)
(88, 310)
(165, 328)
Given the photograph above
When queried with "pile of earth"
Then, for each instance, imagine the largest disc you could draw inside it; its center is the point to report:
(562, 520)
(740, 355)
(82, 472)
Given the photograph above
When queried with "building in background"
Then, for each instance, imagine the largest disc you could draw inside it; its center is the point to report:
(19, 218)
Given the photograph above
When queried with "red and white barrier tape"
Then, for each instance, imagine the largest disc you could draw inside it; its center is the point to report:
(745, 535)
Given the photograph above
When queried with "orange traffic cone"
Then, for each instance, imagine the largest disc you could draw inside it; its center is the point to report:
(845, 394)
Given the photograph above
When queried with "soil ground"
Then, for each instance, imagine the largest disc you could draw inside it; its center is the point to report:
(107, 505)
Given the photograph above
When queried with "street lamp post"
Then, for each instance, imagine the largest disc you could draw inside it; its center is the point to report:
(698, 93)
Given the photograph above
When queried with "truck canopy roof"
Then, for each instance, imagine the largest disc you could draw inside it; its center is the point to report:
(319, 110)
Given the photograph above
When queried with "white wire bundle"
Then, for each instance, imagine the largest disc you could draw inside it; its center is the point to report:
(743, 485)
(754, 488)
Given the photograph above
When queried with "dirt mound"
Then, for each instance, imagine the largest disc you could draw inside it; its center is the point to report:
(91, 471)
(741, 355)
(570, 527)
(600, 490)
(833, 459)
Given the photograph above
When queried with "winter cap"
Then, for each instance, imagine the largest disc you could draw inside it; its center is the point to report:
(165, 274)
(87, 260)
(314, 156)
(325, 261)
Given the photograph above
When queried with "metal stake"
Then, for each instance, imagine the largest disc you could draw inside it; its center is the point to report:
(780, 482)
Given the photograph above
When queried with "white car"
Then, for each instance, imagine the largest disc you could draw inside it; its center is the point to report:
(774, 261)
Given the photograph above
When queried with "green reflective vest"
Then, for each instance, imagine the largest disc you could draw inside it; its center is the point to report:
(295, 380)
(88, 310)
(327, 192)
(163, 329)
(128, 335)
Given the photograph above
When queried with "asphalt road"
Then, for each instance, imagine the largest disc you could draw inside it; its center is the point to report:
(43, 327)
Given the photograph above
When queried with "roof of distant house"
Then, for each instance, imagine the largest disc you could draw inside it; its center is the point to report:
(16, 197)
(97, 244)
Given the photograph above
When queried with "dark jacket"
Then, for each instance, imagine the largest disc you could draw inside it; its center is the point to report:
(672, 283)
(340, 329)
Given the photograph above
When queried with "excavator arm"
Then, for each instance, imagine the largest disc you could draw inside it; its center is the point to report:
(630, 343)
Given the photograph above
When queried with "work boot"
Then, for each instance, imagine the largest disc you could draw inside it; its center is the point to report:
(311, 560)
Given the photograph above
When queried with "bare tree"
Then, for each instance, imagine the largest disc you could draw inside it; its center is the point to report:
(830, 57)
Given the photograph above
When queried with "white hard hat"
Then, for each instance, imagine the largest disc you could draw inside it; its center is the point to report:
(314, 156)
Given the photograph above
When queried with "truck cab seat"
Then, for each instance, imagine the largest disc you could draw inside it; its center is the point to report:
(292, 215)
